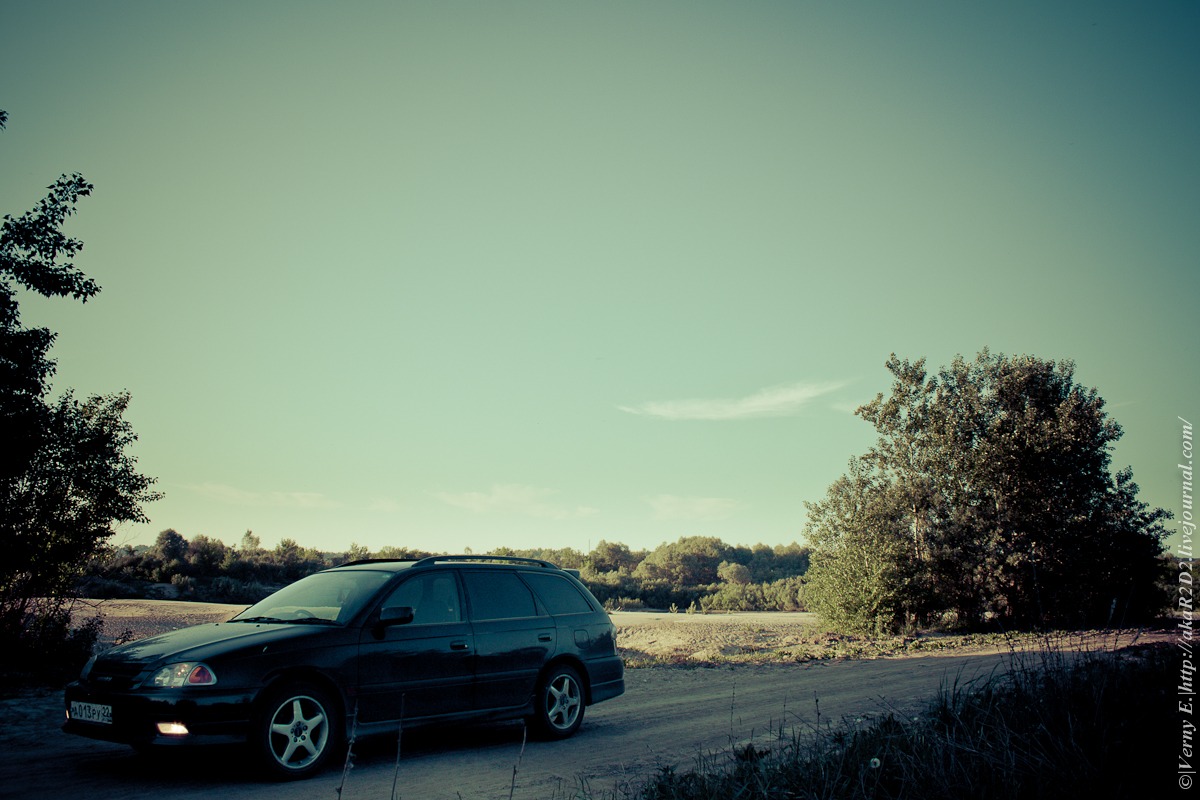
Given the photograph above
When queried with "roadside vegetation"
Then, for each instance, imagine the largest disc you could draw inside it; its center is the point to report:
(1057, 724)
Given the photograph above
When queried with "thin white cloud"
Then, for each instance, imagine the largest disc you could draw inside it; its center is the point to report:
(385, 505)
(242, 497)
(775, 401)
(670, 506)
(508, 498)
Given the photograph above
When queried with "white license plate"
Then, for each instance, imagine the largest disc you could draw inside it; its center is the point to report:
(91, 712)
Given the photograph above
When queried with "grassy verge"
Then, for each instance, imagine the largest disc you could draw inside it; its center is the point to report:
(1057, 724)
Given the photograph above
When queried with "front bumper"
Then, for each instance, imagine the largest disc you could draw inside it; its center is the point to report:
(210, 717)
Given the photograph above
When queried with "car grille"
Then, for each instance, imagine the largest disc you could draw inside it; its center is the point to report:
(113, 674)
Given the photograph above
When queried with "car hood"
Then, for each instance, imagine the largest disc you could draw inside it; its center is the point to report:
(201, 642)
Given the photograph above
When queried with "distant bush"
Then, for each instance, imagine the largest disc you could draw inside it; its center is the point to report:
(231, 590)
(782, 595)
(624, 604)
(109, 588)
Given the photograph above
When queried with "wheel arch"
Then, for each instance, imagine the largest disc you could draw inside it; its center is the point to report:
(567, 659)
(309, 675)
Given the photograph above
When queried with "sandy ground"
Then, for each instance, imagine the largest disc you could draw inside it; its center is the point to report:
(746, 678)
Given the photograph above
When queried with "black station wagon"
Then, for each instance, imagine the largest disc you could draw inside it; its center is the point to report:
(375, 644)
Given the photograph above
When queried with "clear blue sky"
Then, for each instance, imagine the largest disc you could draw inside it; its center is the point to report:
(451, 275)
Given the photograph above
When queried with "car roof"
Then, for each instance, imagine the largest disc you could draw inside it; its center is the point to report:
(401, 564)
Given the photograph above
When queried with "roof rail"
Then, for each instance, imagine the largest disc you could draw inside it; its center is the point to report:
(504, 559)
(374, 561)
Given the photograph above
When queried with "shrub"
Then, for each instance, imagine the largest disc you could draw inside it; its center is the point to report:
(48, 649)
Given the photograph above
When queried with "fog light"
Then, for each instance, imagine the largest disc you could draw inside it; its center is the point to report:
(172, 729)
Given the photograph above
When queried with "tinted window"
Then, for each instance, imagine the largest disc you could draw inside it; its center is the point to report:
(498, 595)
(433, 598)
(337, 595)
(558, 594)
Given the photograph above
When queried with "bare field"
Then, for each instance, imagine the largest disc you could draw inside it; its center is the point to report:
(750, 676)
(651, 638)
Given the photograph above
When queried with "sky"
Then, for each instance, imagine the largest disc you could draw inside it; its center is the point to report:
(451, 275)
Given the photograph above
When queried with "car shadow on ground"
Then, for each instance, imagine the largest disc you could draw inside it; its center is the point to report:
(215, 766)
(168, 766)
(425, 740)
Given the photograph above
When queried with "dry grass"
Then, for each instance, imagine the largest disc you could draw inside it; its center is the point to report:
(1058, 723)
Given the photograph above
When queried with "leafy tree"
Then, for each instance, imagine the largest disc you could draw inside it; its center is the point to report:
(251, 543)
(860, 578)
(691, 561)
(768, 564)
(358, 552)
(170, 545)
(65, 476)
(401, 553)
(732, 572)
(206, 555)
(987, 496)
(565, 557)
(612, 557)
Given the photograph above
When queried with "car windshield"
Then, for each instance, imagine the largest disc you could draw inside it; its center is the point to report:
(323, 598)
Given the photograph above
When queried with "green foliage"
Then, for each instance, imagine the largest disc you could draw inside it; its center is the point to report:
(732, 572)
(566, 557)
(401, 553)
(786, 594)
(206, 569)
(858, 581)
(206, 555)
(250, 543)
(691, 561)
(613, 557)
(170, 545)
(987, 497)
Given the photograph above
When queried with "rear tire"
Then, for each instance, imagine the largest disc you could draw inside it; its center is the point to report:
(558, 703)
(296, 730)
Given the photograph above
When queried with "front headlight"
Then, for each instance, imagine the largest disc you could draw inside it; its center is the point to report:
(186, 673)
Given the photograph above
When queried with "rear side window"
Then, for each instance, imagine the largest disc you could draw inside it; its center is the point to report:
(498, 595)
(558, 594)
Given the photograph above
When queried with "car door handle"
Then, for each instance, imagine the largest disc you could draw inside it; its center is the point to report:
(459, 645)
(544, 637)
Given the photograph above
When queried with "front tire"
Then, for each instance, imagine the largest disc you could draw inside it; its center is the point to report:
(296, 730)
(558, 703)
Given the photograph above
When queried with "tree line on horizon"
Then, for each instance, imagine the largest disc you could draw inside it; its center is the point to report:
(693, 573)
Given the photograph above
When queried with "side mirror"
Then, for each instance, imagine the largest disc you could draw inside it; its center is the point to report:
(396, 615)
(393, 615)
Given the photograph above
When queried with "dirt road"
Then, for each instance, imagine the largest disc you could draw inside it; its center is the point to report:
(667, 717)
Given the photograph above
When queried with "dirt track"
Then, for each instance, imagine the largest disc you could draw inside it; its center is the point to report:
(668, 716)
